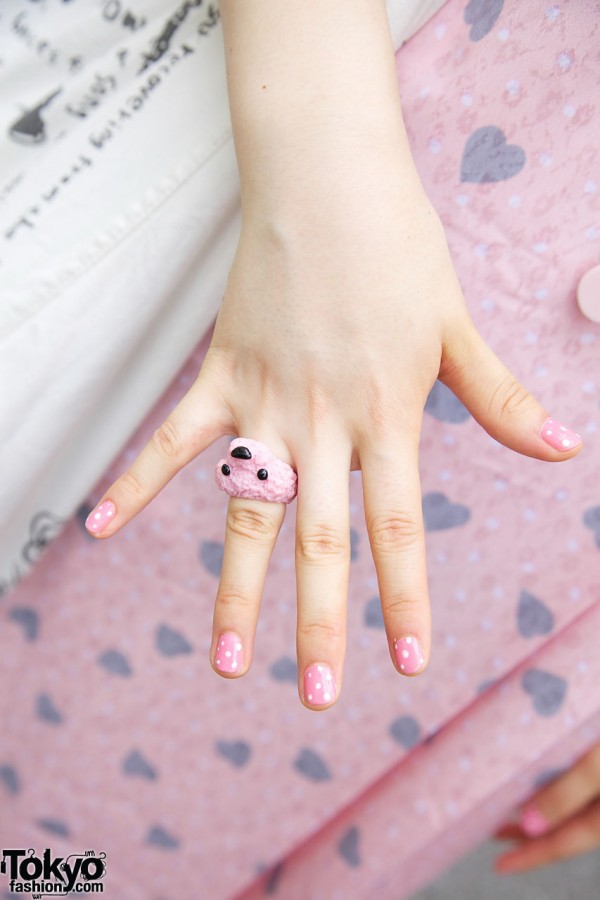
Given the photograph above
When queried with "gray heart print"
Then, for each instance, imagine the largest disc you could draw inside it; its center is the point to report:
(237, 752)
(373, 615)
(546, 777)
(482, 15)
(354, 541)
(55, 826)
(28, 619)
(547, 690)
(285, 669)
(439, 513)
(115, 662)
(170, 642)
(47, 710)
(310, 764)
(444, 405)
(533, 616)
(348, 846)
(406, 730)
(211, 554)
(591, 519)
(10, 778)
(160, 837)
(272, 881)
(135, 764)
(487, 157)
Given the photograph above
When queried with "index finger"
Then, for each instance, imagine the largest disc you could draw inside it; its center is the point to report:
(198, 420)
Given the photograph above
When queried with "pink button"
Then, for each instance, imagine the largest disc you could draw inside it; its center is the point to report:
(588, 294)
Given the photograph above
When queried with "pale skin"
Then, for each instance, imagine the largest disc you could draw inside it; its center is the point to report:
(341, 309)
(571, 806)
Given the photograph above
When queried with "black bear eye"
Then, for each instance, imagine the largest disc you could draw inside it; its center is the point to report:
(225, 469)
(262, 474)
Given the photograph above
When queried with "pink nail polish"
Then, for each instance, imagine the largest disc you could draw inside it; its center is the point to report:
(229, 656)
(319, 685)
(533, 822)
(99, 517)
(559, 436)
(409, 655)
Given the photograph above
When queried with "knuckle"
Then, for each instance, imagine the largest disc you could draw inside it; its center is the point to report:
(394, 531)
(166, 440)
(378, 408)
(133, 484)
(401, 606)
(250, 523)
(322, 543)
(230, 598)
(325, 629)
(512, 395)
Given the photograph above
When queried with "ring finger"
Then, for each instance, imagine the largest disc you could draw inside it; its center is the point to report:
(394, 518)
(251, 531)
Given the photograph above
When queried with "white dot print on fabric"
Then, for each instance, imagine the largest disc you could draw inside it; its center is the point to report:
(564, 61)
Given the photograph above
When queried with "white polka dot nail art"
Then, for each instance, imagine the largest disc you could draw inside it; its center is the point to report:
(319, 685)
(558, 436)
(229, 656)
(99, 517)
(409, 655)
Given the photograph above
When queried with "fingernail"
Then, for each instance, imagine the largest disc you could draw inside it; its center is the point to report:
(319, 685)
(559, 436)
(229, 657)
(99, 517)
(409, 655)
(533, 822)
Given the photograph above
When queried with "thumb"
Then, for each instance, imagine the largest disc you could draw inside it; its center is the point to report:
(501, 405)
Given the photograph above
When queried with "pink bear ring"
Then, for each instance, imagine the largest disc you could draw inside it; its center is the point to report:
(252, 471)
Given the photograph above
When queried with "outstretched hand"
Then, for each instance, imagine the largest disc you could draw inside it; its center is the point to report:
(334, 326)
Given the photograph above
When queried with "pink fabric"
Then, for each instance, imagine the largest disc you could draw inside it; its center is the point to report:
(117, 734)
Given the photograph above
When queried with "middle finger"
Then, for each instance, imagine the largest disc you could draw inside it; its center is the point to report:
(323, 568)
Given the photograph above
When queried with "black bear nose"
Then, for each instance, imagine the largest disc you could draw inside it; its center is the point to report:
(241, 453)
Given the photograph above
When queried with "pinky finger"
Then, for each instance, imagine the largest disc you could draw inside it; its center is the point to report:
(580, 834)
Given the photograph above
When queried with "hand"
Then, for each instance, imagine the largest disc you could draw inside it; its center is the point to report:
(561, 820)
(334, 326)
